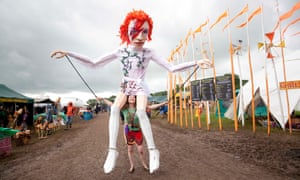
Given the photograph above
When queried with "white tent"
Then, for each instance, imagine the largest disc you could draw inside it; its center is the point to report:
(278, 106)
(76, 101)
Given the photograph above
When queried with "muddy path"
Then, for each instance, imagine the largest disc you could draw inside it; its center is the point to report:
(79, 153)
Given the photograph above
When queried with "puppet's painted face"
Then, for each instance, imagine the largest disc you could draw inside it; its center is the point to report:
(138, 36)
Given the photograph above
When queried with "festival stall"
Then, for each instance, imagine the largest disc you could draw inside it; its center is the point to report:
(15, 100)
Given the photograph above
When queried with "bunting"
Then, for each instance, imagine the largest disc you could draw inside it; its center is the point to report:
(287, 14)
(268, 46)
(225, 14)
(256, 12)
(245, 9)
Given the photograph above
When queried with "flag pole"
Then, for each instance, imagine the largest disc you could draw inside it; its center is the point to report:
(214, 72)
(251, 79)
(284, 73)
(180, 95)
(233, 78)
(266, 75)
(237, 52)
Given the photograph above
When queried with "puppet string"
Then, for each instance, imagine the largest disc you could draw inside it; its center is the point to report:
(81, 77)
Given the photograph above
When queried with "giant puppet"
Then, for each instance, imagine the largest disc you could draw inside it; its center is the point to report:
(134, 58)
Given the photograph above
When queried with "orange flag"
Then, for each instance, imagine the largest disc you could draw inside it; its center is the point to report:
(287, 14)
(290, 12)
(236, 16)
(199, 29)
(178, 47)
(291, 23)
(256, 12)
(296, 34)
(225, 14)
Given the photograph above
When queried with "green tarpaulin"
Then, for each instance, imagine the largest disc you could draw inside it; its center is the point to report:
(6, 132)
(9, 95)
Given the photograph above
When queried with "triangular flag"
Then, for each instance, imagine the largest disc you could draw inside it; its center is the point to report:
(260, 45)
(270, 36)
(270, 56)
(281, 44)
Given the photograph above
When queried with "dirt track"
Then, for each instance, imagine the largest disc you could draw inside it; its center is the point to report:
(79, 153)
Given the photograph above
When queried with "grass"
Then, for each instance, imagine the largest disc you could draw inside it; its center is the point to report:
(227, 124)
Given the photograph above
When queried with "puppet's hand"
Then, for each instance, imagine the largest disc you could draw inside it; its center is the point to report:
(58, 54)
(204, 63)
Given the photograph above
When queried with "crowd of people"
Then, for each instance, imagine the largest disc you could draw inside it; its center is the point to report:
(18, 120)
(42, 122)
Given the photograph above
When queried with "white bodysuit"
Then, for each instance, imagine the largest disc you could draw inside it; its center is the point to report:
(134, 63)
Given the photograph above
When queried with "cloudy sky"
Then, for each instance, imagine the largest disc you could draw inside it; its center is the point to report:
(31, 29)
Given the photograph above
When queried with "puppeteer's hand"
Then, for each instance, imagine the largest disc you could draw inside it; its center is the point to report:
(204, 63)
(58, 54)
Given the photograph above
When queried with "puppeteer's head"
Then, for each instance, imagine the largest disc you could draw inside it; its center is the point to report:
(136, 28)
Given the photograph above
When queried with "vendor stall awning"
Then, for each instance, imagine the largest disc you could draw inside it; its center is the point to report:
(9, 95)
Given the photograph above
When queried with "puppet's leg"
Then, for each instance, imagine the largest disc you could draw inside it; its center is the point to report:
(112, 155)
(113, 135)
(147, 131)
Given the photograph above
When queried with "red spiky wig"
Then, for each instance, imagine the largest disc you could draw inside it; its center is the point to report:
(140, 16)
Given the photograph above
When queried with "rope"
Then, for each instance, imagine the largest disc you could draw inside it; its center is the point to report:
(81, 76)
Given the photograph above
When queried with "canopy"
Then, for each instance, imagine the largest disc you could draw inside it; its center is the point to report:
(9, 95)
(278, 101)
(76, 101)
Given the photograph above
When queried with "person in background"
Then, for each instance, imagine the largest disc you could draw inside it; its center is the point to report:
(57, 106)
(148, 110)
(49, 115)
(70, 114)
(3, 116)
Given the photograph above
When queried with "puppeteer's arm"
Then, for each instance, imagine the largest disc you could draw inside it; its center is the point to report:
(100, 61)
(203, 63)
(154, 106)
(106, 101)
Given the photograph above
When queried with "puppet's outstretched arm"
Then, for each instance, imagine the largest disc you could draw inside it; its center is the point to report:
(100, 61)
(202, 63)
